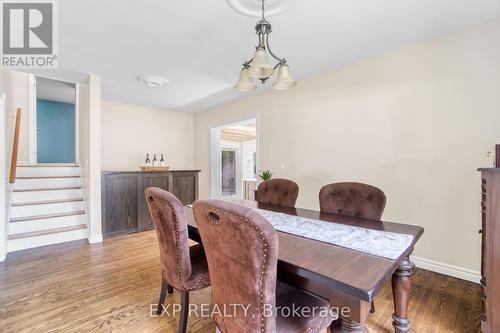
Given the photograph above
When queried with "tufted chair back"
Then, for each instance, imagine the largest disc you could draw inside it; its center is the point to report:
(167, 213)
(278, 192)
(352, 199)
(242, 253)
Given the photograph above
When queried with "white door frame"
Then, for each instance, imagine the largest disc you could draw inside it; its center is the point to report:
(215, 149)
(32, 136)
(77, 123)
(32, 119)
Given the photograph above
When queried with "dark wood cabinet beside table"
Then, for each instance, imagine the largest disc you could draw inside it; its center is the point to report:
(124, 207)
(344, 277)
(490, 251)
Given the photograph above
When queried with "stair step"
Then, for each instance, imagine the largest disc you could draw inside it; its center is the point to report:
(48, 189)
(45, 216)
(46, 232)
(49, 208)
(47, 171)
(29, 196)
(47, 237)
(47, 177)
(65, 220)
(45, 202)
(46, 183)
(50, 165)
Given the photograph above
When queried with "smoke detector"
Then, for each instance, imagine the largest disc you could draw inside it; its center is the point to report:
(152, 81)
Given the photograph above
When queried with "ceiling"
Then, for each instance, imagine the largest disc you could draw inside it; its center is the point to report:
(199, 46)
(55, 90)
(239, 133)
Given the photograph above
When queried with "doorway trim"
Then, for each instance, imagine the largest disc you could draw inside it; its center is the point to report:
(32, 135)
(214, 130)
(32, 119)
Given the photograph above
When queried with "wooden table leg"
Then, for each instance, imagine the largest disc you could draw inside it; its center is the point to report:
(401, 290)
(358, 311)
(345, 325)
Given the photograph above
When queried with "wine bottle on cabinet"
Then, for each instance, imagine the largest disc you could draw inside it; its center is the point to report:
(155, 161)
(148, 161)
(162, 161)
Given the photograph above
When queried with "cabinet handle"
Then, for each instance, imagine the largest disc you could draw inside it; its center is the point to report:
(480, 231)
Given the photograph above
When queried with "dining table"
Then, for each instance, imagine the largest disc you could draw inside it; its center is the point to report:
(346, 278)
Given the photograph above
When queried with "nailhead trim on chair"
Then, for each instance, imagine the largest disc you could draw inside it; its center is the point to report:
(178, 250)
(209, 210)
(263, 259)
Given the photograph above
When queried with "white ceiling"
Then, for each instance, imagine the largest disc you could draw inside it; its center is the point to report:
(200, 45)
(55, 90)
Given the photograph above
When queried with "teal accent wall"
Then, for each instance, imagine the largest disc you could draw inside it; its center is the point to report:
(55, 122)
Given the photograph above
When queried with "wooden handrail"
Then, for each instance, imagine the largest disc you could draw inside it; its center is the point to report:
(15, 148)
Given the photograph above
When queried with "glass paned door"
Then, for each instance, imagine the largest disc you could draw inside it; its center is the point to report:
(228, 172)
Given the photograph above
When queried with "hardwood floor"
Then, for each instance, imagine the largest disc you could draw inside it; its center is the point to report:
(76, 287)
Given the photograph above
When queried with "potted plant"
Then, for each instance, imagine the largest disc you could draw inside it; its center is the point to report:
(266, 175)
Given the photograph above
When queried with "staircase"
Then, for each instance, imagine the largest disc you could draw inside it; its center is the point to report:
(47, 207)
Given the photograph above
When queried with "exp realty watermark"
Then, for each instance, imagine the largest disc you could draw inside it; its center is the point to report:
(233, 310)
(29, 34)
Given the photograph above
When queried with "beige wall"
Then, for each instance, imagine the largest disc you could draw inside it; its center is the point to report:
(17, 92)
(416, 122)
(130, 131)
(3, 169)
(14, 85)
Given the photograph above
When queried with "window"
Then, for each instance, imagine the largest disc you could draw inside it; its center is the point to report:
(228, 171)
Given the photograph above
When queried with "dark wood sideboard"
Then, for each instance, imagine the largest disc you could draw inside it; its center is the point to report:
(490, 261)
(124, 207)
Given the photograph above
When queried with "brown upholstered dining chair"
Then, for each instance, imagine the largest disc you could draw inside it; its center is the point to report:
(182, 267)
(353, 199)
(278, 192)
(242, 254)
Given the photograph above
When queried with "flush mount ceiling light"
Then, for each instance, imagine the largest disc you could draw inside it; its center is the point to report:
(152, 81)
(258, 67)
(253, 8)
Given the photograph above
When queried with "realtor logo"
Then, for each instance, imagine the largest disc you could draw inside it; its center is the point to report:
(29, 36)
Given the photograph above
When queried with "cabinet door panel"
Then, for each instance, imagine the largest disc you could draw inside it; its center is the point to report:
(121, 204)
(184, 188)
(160, 181)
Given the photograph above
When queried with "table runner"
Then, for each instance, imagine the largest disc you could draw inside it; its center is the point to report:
(384, 244)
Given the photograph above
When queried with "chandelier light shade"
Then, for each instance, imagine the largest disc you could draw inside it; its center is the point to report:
(245, 82)
(285, 79)
(259, 67)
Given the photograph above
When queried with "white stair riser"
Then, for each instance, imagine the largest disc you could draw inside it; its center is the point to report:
(46, 195)
(47, 171)
(54, 208)
(45, 224)
(55, 238)
(22, 184)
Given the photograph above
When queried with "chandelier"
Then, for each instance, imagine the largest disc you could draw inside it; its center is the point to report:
(259, 68)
